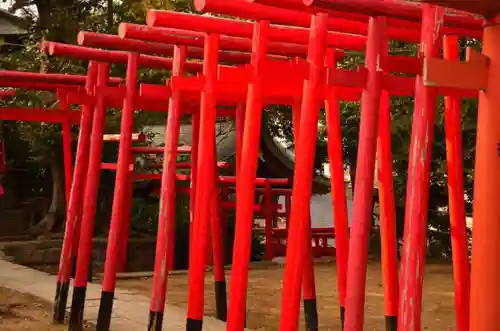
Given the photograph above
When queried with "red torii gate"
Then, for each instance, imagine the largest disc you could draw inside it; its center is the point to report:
(307, 83)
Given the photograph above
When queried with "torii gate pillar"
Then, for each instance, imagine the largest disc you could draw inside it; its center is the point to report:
(485, 277)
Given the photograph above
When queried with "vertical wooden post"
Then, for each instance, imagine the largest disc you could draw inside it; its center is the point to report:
(363, 193)
(337, 184)
(240, 125)
(216, 234)
(300, 225)
(67, 145)
(201, 222)
(485, 287)
(309, 284)
(120, 196)
(417, 194)
(92, 179)
(74, 208)
(245, 184)
(388, 234)
(458, 226)
(339, 199)
(165, 243)
(269, 220)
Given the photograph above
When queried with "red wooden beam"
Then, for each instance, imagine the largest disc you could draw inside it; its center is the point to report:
(397, 9)
(93, 39)
(23, 76)
(38, 86)
(38, 115)
(487, 8)
(136, 137)
(397, 28)
(85, 53)
(171, 19)
(116, 100)
(4, 94)
(258, 181)
(158, 150)
(194, 38)
(343, 22)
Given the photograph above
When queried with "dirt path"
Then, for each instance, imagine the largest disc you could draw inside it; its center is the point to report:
(264, 297)
(19, 311)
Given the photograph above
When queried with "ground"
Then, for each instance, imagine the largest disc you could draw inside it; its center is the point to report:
(23, 312)
(20, 311)
(264, 297)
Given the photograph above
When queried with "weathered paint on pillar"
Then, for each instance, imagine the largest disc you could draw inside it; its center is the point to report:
(363, 193)
(485, 275)
(417, 193)
(300, 225)
(458, 226)
(245, 185)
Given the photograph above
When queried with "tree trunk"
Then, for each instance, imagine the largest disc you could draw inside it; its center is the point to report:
(55, 213)
(109, 13)
(351, 155)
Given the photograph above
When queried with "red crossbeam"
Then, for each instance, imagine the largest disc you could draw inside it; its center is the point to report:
(38, 115)
(178, 20)
(93, 39)
(85, 53)
(20, 76)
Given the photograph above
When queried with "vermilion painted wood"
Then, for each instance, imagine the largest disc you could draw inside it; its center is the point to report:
(299, 233)
(217, 242)
(339, 199)
(162, 18)
(347, 22)
(67, 146)
(240, 124)
(4, 94)
(136, 137)
(398, 9)
(458, 226)
(38, 115)
(472, 75)
(114, 98)
(74, 207)
(93, 39)
(363, 193)
(86, 53)
(258, 181)
(388, 235)
(158, 150)
(163, 35)
(309, 284)
(245, 184)
(195, 137)
(157, 176)
(167, 217)
(487, 8)
(417, 194)
(32, 77)
(201, 222)
(120, 194)
(38, 85)
(283, 15)
(150, 98)
(91, 183)
(485, 271)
